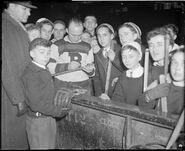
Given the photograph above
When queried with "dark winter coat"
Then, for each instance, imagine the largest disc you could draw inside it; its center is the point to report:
(15, 57)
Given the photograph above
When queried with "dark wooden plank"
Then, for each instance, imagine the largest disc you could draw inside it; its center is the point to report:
(96, 124)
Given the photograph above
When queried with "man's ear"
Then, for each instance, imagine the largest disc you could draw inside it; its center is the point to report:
(32, 53)
(112, 36)
(170, 48)
(135, 36)
(67, 30)
(174, 37)
(52, 31)
(96, 25)
(84, 24)
(140, 57)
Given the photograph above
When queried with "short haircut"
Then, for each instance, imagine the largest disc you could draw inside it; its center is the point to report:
(39, 42)
(59, 22)
(173, 27)
(33, 27)
(159, 31)
(75, 21)
(92, 17)
(46, 21)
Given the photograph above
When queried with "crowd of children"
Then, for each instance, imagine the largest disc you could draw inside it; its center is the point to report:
(86, 55)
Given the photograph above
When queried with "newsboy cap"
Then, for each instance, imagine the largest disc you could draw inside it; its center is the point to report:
(24, 3)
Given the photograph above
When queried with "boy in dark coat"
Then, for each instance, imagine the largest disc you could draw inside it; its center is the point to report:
(40, 93)
(130, 82)
(174, 91)
(105, 34)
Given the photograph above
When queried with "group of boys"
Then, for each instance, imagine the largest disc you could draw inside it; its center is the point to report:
(71, 61)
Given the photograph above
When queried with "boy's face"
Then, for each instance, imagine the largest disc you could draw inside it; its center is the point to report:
(126, 35)
(41, 55)
(157, 47)
(59, 31)
(177, 66)
(86, 37)
(75, 33)
(46, 31)
(130, 58)
(33, 34)
(90, 24)
(104, 36)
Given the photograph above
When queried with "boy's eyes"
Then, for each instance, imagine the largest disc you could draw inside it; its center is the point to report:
(129, 56)
(158, 45)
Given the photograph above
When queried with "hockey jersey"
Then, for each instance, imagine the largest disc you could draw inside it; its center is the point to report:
(63, 52)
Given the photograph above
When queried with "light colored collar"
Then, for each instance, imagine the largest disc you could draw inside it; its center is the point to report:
(135, 73)
(179, 84)
(39, 65)
(66, 38)
(158, 64)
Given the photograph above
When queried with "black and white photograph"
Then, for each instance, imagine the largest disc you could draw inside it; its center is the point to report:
(92, 75)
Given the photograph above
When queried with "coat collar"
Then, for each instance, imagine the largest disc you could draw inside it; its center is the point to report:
(14, 21)
(35, 67)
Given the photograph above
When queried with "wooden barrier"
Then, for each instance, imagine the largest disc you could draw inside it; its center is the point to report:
(95, 124)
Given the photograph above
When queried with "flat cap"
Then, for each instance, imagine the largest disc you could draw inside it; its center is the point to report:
(24, 3)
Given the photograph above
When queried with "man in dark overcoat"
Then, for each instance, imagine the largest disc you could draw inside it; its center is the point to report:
(15, 57)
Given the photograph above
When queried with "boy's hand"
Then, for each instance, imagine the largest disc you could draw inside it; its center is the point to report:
(63, 98)
(64, 112)
(161, 90)
(104, 96)
(22, 108)
(152, 85)
(89, 68)
(111, 54)
(73, 65)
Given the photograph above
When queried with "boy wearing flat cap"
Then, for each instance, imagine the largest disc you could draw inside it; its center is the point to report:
(15, 57)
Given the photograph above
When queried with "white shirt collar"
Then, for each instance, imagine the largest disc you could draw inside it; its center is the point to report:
(135, 73)
(39, 65)
(180, 84)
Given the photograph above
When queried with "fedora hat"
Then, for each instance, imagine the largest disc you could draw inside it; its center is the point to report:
(24, 3)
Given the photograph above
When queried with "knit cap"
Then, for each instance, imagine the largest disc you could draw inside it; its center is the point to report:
(137, 29)
(107, 25)
(135, 45)
(43, 19)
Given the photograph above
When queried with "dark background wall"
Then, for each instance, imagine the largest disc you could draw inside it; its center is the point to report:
(146, 14)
